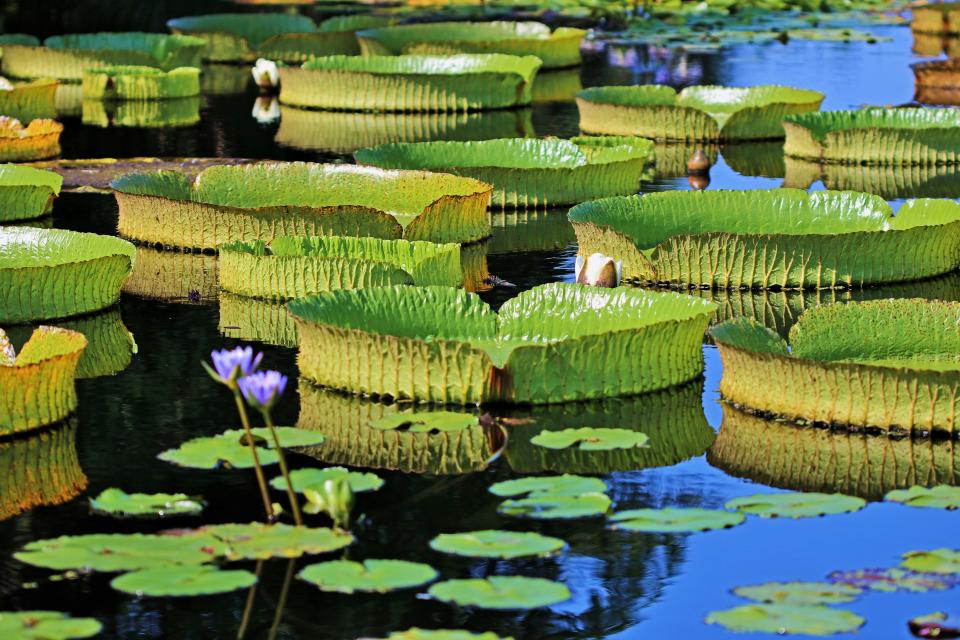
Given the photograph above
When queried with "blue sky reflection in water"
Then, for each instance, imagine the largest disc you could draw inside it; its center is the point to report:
(624, 585)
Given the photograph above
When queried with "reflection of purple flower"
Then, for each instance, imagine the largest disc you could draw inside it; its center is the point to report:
(234, 363)
(261, 389)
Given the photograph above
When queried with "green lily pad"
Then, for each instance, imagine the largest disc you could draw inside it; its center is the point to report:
(565, 485)
(934, 561)
(784, 619)
(552, 507)
(118, 552)
(229, 449)
(183, 581)
(796, 505)
(591, 439)
(258, 541)
(45, 625)
(431, 422)
(501, 592)
(442, 634)
(116, 502)
(373, 576)
(892, 580)
(675, 520)
(934, 625)
(799, 593)
(939, 497)
(313, 479)
(497, 544)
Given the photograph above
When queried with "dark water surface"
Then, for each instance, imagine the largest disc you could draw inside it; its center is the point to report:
(624, 585)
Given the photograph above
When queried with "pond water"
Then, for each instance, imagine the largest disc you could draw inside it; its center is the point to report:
(624, 585)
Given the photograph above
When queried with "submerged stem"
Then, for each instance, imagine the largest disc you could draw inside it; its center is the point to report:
(291, 494)
(248, 609)
(282, 602)
(261, 480)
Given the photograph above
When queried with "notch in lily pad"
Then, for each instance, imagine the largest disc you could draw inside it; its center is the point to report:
(433, 422)
(229, 450)
(591, 439)
(120, 504)
(800, 593)
(371, 576)
(895, 580)
(939, 497)
(491, 543)
(181, 581)
(787, 619)
(501, 592)
(46, 625)
(796, 504)
(671, 520)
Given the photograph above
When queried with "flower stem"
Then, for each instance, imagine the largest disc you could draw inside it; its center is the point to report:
(294, 504)
(261, 480)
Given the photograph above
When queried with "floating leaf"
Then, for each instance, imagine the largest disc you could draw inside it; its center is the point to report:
(796, 505)
(783, 619)
(675, 520)
(431, 422)
(591, 439)
(799, 593)
(45, 625)
(313, 479)
(119, 552)
(442, 634)
(939, 497)
(230, 449)
(553, 507)
(935, 561)
(532, 486)
(182, 581)
(934, 625)
(501, 592)
(376, 576)
(117, 502)
(257, 541)
(891, 580)
(497, 544)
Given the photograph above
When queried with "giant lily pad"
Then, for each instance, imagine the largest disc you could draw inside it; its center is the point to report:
(140, 83)
(39, 140)
(696, 113)
(502, 592)
(179, 581)
(796, 505)
(311, 479)
(934, 561)
(295, 267)
(37, 385)
(528, 173)
(257, 541)
(854, 364)
(590, 439)
(415, 633)
(800, 593)
(376, 576)
(119, 552)
(938, 497)
(117, 502)
(674, 520)
(556, 507)
(497, 544)
(67, 57)
(781, 238)
(560, 48)
(410, 83)
(46, 625)
(940, 18)
(52, 273)
(263, 201)
(536, 486)
(787, 619)
(895, 580)
(866, 136)
(537, 349)
(30, 100)
(230, 449)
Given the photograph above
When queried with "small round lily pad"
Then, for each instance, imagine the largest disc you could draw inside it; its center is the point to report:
(565, 485)
(796, 504)
(934, 625)
(312, 479)
(415, 633)
(892, 580)
(258, 541)
(45, 625)
(800, 593)
(229, 450)
(492, 543)
(373, 576)
(783, 619)
(939, 497)
(119, 503)
(675, 520)
(501, 592)
(180, 581)
(427, 422)
(550, 507)
(934, 561)
(118, 552)
(591, 439)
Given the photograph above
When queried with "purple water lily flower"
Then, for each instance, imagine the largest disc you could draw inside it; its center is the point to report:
(231, 364)
(261, 389)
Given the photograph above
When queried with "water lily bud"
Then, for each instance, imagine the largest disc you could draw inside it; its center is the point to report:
(599, 270)
(265, 74)
(5, 85)
(266, 109)
(698, 162)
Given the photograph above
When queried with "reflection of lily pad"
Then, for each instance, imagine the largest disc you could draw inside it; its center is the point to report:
(565, 485)
(118, 552)
(554, 507)
(783, 619)
(432, 422)
(45, 625)
(251, 320)
(799, 593)
(591, 439)
(675, 520)
(502, 592)
(796, 505)
(230, 449)
(376, 576)
(442, 634)
(116, 502)
(183, 581)
(939, 497)
(173, 276)
(313, 479)
(497, 544)
(935, 561)
(891, 580)
(257, 541)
